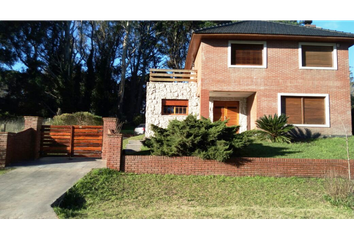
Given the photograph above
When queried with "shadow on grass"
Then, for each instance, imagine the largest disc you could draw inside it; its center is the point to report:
(303, 135)
(260, 150)
(69, 204)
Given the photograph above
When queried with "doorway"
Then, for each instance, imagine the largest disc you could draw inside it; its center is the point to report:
(224, 110)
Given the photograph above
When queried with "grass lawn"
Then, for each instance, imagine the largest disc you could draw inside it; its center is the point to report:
(105, 193)
(324, 148)
(321, 148)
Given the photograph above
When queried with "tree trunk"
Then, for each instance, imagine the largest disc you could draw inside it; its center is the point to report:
(124, 68)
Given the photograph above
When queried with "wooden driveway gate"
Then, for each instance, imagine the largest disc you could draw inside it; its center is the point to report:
(71, 141)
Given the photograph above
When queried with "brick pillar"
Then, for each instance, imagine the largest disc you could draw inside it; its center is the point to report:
(4, 136)
(114, 144)
(109, 123)
(204, 103)
(35, 123)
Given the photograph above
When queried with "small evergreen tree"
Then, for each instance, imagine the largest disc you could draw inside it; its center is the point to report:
(193, 137)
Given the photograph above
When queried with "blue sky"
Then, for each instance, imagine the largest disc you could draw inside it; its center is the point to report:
(344, 26)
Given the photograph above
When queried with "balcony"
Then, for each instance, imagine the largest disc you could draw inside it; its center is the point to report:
(173, 75)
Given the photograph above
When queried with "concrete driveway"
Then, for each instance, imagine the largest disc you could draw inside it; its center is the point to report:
(28, 191)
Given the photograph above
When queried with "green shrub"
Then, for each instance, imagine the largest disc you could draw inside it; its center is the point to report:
(78, 118)
(274, 129)
(193, 137)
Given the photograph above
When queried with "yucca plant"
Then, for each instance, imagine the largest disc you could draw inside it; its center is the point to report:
(274, 129)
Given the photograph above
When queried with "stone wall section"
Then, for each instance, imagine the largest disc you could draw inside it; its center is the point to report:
(156, 91)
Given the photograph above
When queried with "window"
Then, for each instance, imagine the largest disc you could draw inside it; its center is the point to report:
(247, 54)
(318, 56)
(307, 110)
(174, 107)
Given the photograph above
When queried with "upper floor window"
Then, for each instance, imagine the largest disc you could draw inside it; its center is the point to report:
(318, 55)
(249, 54)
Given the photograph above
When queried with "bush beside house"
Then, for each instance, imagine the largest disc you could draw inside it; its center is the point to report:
(193, 137)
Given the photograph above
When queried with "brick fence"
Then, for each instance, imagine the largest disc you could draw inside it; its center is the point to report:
(274, 167)
(25, 145)
(21, 146)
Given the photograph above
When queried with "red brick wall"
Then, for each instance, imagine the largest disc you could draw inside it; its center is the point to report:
(204, 103)
(15, 147)
(3, 148)
(22, 146)
(109, 124)
(35, 123)
(274, 167)
(282, 75)
(114, 145)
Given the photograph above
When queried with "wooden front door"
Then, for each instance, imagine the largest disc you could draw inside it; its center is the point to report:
(226, 110)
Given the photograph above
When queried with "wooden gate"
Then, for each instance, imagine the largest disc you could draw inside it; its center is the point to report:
(71, 141)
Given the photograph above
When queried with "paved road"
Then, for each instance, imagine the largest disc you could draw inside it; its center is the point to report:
(28, 191)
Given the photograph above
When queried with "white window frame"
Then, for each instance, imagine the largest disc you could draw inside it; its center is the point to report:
(334, 55)
(327, 109)
(264, 54)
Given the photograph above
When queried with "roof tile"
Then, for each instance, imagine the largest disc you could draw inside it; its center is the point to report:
(272, 28)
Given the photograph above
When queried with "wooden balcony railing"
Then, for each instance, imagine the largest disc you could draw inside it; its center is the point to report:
(173, 75)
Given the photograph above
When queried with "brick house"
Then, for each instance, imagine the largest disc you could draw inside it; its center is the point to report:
(244, 70)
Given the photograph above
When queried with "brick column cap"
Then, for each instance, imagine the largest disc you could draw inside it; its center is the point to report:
(109, 119)
(29, 117)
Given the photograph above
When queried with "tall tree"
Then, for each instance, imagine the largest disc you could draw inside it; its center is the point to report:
(96, 66)
(107, 39)
(175, 42)
(143, 55)
(177, 35)
(127, 27)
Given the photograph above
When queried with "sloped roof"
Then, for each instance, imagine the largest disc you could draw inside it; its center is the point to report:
(271, 28)
(262, 30)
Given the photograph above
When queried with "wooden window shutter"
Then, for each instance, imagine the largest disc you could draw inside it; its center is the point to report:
(304, 110)
(246, 54)
(166, 102)
(291, 107)
(317, 56)
(314, 110)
